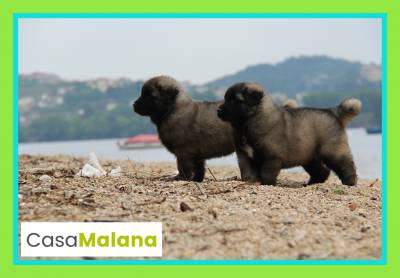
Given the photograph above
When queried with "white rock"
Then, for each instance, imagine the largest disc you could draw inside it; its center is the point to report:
(93, 161)
(116, 172)
(89, 171)
(92, 168)
(45, 178)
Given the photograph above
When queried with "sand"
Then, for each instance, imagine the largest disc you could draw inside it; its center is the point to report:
(220, 218)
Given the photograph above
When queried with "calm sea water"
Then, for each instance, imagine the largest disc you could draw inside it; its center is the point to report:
(367, 152)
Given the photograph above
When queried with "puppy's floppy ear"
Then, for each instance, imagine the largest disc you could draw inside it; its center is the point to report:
(253, 96)
(169, 93)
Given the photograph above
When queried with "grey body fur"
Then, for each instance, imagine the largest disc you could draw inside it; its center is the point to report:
(282, 138)
(189, 129)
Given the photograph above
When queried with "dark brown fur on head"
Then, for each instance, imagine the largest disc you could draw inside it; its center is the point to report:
(189, 129)
(270, 138)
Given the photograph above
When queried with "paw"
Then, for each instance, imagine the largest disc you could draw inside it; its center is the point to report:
(197, 179)
(268, 182)
(350, 181)
(250, 179)
(179, 177)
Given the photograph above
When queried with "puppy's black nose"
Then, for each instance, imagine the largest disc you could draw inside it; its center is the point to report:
(135, 106)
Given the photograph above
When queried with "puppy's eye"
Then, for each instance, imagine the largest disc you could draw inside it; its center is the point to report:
(239, 98)
(229, 98)
(147, 95)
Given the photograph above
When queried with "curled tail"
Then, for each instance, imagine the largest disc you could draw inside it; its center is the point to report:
(348, 109)
(290, 104)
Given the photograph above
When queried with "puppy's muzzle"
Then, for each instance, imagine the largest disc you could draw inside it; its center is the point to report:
(136, 107)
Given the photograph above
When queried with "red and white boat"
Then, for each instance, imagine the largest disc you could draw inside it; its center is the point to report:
(141, 141)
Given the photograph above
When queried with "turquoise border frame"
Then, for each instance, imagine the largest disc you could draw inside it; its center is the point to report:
(18, 261)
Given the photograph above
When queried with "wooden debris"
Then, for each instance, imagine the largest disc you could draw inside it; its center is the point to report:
(209, 170)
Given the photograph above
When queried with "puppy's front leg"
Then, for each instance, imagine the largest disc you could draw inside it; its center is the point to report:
(185, 169)
(248, 171)
(269, 171)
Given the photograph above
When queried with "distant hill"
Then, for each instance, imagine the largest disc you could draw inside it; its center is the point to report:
(306, 74)
(51, 108)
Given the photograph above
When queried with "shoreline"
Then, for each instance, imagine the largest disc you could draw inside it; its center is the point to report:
(227, 219)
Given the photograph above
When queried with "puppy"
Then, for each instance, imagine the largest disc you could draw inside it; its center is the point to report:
(190, 130)
(244, 152)
(271, 138)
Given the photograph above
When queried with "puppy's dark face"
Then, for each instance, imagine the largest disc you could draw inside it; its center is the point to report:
(156, 99)
(241, 102)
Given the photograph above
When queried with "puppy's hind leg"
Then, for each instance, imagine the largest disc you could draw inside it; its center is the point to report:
(269, 171)
(344, 168)
(317, 171)
(185, 169)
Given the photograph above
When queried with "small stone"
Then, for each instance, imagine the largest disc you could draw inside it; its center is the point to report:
(352, 206)
(88, 200)
(69, 194)
(45, 178)
(53, 186)
(125, 188)
(185, 207)
(365, 229)
(362, 214)
(288, 222)
(355, 219)
(291, 244)
(213, 213)
(324, 190)
(357, 237)
(338, 224)
(39, 191)
(302, 256)
(126, 205)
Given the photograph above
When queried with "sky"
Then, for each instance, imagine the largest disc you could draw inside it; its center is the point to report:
(195, 50)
